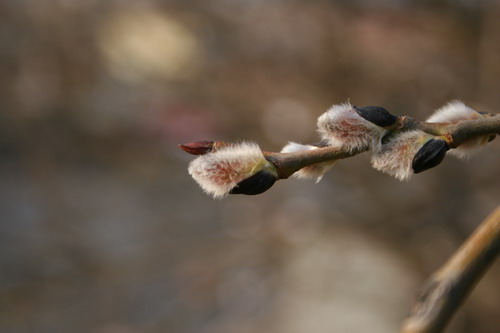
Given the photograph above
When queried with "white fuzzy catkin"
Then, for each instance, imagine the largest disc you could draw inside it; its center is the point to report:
(315, 171)
(395, 157)
(341, 126)
(219, 172)
(454, 112)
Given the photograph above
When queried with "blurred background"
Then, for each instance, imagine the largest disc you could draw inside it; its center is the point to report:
(102, 229)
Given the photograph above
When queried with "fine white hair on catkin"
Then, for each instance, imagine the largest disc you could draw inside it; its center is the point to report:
(341, 126)
(219, 172)
(315, 171)
(395, 156)
(454, 112)
(293, 147)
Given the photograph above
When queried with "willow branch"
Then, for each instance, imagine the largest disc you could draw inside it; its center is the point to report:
(456, 134)
(459, 132)
(474, 128)
(448, 287)
(289, 163)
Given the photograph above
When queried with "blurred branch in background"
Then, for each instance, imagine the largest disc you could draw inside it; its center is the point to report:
(448, 288)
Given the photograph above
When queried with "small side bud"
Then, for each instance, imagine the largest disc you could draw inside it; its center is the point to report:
(256, 184)
(377, 115)
(220, 172)
(430, 155)
(455, 112)
(395, 155)
(202, 147)
(198, 148)
(342, 126)
(314, 171)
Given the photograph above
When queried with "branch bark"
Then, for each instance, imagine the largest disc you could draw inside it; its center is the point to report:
(289, 163)
(445, 291)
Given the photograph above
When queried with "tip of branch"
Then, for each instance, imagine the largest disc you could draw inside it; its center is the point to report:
(198, 147)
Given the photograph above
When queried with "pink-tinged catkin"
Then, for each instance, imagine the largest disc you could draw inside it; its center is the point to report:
(454, 112)
(395, 156)
(315, 171)
(341, 126)
(219, 172)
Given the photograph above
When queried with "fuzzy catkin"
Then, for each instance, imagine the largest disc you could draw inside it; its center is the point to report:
(341, 126)
(454, 112)
(396, 155)
(220, 171)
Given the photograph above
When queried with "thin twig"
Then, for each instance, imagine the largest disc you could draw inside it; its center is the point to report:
(475, 128)
(445, 291)
(288, 163)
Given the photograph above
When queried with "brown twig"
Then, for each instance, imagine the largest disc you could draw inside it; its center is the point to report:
(289, 163)
(447, 288)
(474, 128)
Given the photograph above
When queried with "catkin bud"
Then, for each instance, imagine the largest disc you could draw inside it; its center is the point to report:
(230, 170)
(314, 171)
(350, 128)
(454, 112)
(395, 156)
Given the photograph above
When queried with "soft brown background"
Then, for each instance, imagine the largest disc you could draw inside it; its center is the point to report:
(101, 228)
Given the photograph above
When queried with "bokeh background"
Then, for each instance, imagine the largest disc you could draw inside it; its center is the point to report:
(102, 229)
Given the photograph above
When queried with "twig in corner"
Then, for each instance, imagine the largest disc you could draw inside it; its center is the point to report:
(447, 288)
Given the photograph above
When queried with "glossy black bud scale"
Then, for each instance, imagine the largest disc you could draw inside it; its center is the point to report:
(256, 184)
(377, 115)
(430, 155)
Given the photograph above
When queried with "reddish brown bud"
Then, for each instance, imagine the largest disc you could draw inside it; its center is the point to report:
(198, 147)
